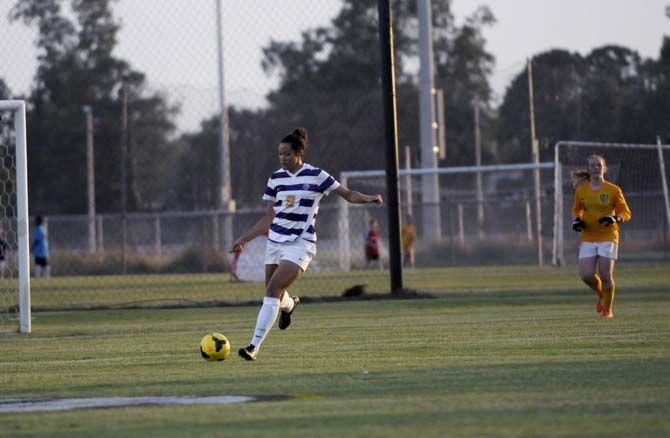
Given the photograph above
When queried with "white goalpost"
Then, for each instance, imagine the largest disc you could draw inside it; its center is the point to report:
(640, 170)
(19, 210)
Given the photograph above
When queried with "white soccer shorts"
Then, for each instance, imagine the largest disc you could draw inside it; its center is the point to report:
(602, 249)
(300, 251)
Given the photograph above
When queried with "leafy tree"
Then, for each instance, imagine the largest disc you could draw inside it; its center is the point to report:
(646, 117)
(610, 95)
(77, 67)
(329, 82)
(463, 67)
(253, 155)
(612, 87)
(557, 78)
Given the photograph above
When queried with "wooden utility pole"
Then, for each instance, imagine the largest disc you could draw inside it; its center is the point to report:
(90, 178)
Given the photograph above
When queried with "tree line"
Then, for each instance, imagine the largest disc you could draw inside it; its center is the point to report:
(329, 82)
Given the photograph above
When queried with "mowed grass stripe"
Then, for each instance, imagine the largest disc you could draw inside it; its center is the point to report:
(535, 363)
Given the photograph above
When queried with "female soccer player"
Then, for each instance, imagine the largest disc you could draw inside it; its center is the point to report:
(598, 209)
(292, 194)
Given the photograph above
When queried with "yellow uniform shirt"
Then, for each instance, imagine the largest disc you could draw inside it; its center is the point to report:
(592, 204)
(408, 234)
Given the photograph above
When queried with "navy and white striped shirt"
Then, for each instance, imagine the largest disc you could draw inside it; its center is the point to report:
(296, 201)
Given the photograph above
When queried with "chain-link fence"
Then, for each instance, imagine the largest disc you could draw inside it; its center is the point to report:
(141, 221)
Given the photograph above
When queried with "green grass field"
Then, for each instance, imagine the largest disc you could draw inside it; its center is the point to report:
(513, 351)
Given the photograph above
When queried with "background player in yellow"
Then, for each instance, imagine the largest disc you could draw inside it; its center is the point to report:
(598, 209)
(408, 232)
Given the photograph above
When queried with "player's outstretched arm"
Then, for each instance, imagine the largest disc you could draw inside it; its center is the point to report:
(355, 197)
(261, 227)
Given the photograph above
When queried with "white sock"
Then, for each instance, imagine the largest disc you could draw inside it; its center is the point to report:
(287, 303)
(266, 318)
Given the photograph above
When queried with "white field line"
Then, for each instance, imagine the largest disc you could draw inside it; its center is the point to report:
(14, 405)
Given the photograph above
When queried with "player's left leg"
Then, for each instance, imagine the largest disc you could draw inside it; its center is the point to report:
(606, 270)
(283, 276)
(286, 302)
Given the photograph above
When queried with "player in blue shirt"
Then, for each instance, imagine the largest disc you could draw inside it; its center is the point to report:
(293, 193)
(40, 248)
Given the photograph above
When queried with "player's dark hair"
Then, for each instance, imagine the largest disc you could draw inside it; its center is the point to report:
(298, 140)
(38, 220)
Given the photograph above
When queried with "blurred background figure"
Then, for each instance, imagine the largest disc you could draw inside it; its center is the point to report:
(40, 248)
(372, 242)
(4, 247)
(408, 232)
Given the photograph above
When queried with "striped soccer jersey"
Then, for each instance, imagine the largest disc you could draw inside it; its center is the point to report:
(296, 200)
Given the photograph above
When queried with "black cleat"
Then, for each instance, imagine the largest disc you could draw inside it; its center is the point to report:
(285, 317)
(248, 352)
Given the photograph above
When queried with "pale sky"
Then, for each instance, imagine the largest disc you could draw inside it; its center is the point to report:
(174, 41)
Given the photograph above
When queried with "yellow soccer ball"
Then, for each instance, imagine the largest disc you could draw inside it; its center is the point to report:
(214, 346)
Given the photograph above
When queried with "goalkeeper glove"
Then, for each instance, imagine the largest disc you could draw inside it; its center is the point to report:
(608, 220)
(578, 224)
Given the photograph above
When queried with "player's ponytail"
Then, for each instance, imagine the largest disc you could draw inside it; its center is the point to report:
(298, 140)
(579, 176)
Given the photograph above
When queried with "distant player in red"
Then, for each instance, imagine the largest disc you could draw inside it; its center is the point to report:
(372, 242)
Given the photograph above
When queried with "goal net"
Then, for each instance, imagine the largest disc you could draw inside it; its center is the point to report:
(641, 172)
(14, 253)
(485, 215)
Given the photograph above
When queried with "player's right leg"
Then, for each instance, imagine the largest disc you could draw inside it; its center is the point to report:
(587, 272)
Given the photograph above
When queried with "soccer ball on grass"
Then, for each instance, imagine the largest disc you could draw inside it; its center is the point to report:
(214, 347)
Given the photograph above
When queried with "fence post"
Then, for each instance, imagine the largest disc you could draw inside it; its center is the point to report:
(344, 244)
(99, 236)
(529, 222)
(461, 229)
(158, 243)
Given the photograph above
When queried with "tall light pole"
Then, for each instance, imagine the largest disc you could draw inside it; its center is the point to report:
(124, 171)
(224, 200)
(391, 140)
(90, 178)
(429, 183)
(478, 163)
(536, 159)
